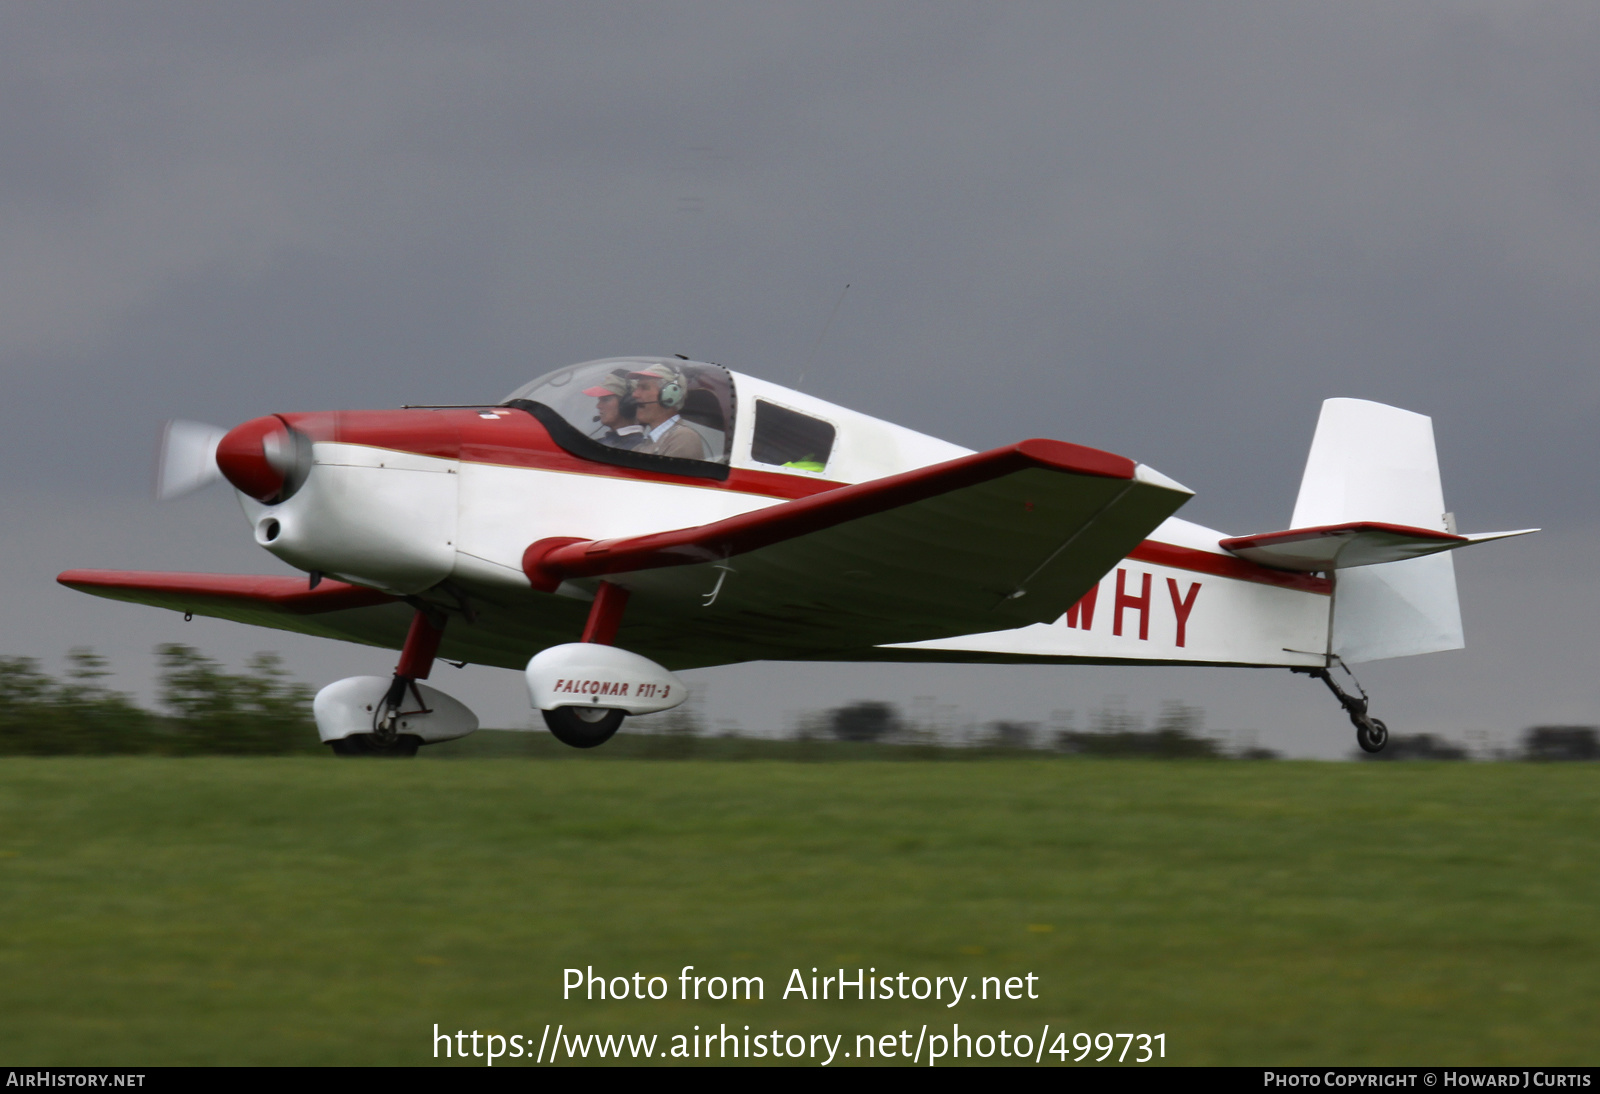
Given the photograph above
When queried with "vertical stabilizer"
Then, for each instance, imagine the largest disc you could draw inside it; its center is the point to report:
(1371, 462)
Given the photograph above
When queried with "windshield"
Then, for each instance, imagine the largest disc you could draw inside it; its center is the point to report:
(651, 406)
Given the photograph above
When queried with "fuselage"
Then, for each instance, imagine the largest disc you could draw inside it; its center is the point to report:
(442, 503)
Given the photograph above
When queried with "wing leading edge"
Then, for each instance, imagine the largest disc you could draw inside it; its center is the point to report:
(333, 609)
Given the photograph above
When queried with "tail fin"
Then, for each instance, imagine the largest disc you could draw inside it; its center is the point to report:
(1371, 462)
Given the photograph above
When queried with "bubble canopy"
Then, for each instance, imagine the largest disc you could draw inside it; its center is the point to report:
(631, 409)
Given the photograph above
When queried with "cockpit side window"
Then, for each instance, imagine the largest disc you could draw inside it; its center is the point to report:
(664, 413)
(790, 439)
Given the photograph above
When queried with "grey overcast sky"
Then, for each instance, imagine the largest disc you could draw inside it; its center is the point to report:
(1167, 230)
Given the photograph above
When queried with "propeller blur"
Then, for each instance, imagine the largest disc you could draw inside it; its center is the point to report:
(188, 458)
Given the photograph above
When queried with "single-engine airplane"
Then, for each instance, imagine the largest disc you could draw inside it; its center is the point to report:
(617, 521)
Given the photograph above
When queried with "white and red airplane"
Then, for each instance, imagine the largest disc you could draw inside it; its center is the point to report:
(615, 521)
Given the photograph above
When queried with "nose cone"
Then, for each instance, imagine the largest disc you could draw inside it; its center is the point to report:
(258, 458)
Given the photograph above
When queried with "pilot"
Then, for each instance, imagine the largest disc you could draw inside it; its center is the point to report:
(660, 391)
(615, 409)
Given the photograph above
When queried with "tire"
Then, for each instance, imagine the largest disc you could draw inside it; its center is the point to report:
(583, 727)
(365, 744)
(1372, 738)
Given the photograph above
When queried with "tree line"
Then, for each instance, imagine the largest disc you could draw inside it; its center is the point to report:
(1177, 735)
(206, 710)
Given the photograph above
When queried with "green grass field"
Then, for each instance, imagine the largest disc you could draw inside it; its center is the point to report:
(307, 911)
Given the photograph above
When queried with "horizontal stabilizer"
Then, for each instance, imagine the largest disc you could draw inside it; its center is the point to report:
(1343, 546)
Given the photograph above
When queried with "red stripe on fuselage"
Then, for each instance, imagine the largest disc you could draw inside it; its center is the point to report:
(516, 439)
(1204, 562)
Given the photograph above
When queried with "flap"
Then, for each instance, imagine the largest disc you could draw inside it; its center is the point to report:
(1342, 546)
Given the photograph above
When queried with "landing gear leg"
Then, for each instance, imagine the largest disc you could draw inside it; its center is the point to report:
(588, 727)
(1371, 734)
(388, 717)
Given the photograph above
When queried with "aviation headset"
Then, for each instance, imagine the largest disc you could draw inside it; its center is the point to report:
(673, 391)
(627, 405)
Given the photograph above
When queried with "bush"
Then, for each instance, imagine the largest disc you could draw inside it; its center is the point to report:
(42, 716)
(1175, 736)
(1421, 746)
(1163, 743)
(259, 712)
(1561, 743)
(1011, 734)
(865, 721)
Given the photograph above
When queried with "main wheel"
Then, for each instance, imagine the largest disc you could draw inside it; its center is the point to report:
(367, 744)
(583, 727)
(1372, 737)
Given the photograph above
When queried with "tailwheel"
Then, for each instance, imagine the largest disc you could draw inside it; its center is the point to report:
(583, 727)
(370, 744)
(1372, 736)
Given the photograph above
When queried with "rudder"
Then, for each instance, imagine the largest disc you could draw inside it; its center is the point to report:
(1372, 462)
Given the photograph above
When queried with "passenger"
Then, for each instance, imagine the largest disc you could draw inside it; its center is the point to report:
(659, 392)
(616, 410)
